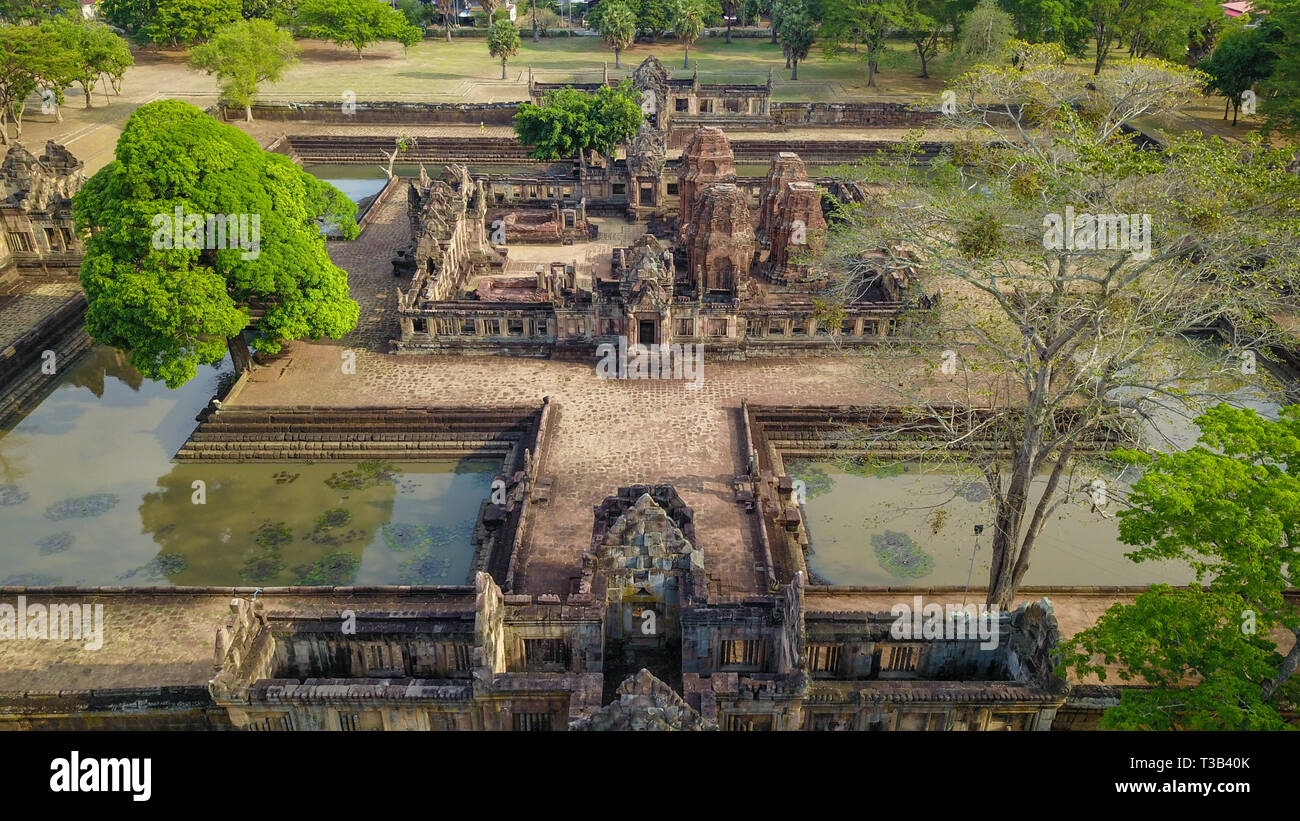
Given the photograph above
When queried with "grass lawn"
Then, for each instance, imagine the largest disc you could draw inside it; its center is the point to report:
(462, 71)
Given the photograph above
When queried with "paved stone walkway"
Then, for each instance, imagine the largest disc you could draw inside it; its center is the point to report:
(35, 300)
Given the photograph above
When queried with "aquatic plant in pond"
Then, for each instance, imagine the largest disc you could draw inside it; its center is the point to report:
(267, 562)
(368, 474)
(425, 568)
(974, 491)
(332, 569)
(326, 530)
(403, 537)
(263, 567)
(816, 481)
(30, 580)
(82, 507)
(271, 535)
(900, 555)
(55, 542)
(334, 517)
(12, 495)
(160, 567)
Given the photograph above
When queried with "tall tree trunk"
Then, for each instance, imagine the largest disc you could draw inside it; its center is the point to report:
(534, 6)
(794, 69)
(728, 31)
(503, 68)
(871, 73)
(239, 353)
(1103, 46)
(1285, 670)
(686, 61)
(616, 53)
(248, 112)
(920, 52)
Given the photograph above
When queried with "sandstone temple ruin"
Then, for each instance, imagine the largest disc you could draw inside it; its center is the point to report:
(680, 599)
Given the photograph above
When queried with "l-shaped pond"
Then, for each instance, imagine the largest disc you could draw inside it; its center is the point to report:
(89, 496)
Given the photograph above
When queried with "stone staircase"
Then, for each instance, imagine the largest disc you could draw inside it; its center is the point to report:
(247, 434)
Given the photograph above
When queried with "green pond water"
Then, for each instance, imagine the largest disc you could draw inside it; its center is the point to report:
(905, 523)
(908, 523)
(89, 496)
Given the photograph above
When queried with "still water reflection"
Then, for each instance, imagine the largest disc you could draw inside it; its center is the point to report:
(89, 495)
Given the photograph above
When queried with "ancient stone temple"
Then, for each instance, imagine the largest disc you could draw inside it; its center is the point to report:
(797, 233)
(645, 165)
(449, 235)
(706, 160)
(719, 239)
(786, 167)
(677, 106)
(37, 230)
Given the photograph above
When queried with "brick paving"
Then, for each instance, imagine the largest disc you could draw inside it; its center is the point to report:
(34, 300)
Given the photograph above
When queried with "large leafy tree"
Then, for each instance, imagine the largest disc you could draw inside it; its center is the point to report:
(181, 22)
(860, 27)
(924, 23)
(356, 23)
(171, 308)
(34, 11)
(796, 39)
(985, 32)
(1242, 58)
(1066, 323)
(653, 18)
(99, 52)
(1282, 107)
(688, 22)
(503, 42)
(1064, 22)
(570, 122)
(244, 55)
(617, 26)
(31, 58)
(130, 15)
(1230, 508)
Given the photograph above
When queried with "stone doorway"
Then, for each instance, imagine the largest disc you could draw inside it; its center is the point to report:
(646, 332)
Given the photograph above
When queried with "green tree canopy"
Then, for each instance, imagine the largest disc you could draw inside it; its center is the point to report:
(181, 22)
(1243, 58)
(131, 15)
(617, 26)
(99, 52)
(243, 55)
(503, 42)
(30, 58)
(1229, 507)
(171, 308)
(653, 18)
(356, 23)
(1282, 108)
(796, 39)
(570, 122)
(868, 23)
(688, 22)
(34, 11)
